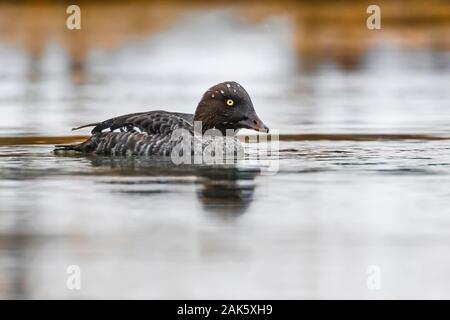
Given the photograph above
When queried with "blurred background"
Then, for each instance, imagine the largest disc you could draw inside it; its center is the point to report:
(143, 229)
(308, 66)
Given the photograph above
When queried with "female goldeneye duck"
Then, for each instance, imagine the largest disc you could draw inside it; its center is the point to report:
(224, 107)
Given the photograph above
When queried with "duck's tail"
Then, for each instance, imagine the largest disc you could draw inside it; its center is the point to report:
(87, 146)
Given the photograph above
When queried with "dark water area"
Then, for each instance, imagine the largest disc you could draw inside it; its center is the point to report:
(362, 177)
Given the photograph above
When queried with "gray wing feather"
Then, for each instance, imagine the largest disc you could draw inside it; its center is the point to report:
(152, 122)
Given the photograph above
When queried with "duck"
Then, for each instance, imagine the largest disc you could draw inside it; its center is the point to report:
(224, 109)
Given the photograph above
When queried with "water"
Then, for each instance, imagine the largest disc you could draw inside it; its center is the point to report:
(142, 228)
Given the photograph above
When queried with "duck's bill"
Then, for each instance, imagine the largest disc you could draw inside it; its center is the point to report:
(254, 123)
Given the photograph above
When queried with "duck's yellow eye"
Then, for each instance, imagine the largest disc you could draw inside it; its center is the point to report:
(230, 102)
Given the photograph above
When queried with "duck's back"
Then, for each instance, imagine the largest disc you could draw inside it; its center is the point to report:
(144, 133)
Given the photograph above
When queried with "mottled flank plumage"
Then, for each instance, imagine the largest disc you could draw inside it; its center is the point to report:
(226, 106)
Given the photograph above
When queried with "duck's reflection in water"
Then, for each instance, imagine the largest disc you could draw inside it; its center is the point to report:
(224, 190)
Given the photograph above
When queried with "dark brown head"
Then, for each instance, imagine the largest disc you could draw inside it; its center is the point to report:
(228, 106)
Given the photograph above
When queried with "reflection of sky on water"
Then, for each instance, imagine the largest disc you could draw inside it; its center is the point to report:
(391, 90)
(143, 229)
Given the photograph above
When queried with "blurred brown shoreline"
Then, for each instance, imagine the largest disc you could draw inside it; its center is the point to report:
(321, 31)
(53, 140)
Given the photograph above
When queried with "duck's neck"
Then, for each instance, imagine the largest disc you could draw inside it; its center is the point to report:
(208, 119)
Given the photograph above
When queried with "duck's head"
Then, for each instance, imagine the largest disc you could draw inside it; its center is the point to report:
(228, 106)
